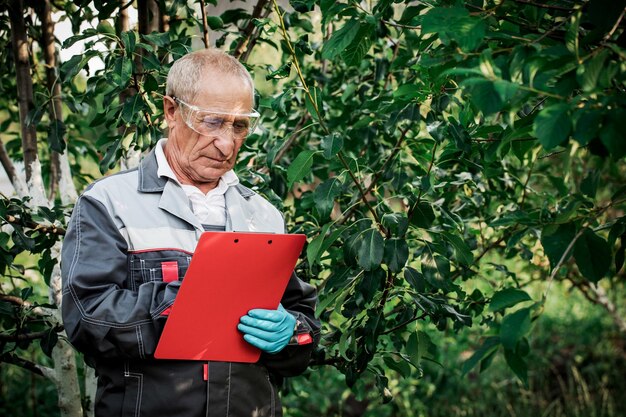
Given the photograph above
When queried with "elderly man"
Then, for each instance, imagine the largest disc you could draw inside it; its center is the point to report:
(129, 243)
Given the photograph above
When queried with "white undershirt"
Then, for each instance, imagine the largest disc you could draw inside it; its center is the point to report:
(209, 208)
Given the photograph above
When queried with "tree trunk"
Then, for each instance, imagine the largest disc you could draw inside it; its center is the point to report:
(65, 376)
(54, 86)
(19, 43)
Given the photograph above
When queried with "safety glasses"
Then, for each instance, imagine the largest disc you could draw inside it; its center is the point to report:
(210, 123)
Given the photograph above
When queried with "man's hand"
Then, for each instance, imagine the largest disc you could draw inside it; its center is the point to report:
(268, 330)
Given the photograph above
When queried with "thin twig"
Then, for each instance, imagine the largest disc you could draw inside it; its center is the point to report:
(615, 26)
(205, 26)
(544, 6)
(398, 25)
(409, 321)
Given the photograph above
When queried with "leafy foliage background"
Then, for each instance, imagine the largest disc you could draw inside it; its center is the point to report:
(448, 160)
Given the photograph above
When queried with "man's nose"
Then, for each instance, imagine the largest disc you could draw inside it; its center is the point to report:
(225, 142)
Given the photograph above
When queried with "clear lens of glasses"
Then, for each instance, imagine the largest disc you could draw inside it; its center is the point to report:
(208, 123)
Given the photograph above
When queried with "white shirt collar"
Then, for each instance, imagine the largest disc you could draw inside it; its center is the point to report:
(164, 170)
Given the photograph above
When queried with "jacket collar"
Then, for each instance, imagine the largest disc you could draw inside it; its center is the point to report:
(150, 182)
(238, 216)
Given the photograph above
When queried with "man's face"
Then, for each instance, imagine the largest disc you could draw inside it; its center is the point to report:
(198, 159)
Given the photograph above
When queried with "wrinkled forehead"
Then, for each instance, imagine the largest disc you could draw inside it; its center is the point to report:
(224, 92)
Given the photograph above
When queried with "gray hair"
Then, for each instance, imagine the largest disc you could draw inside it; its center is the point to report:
(183, 77)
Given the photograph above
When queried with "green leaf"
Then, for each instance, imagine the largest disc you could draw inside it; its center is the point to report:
(214, 22)
(332, 144)
(423, 216)
(454, 24)
(593, 255)
(489, 346)
(462, 251)
(108, 161)
(314, 103)
(587, 122)
(313, 248)
(302, 6)
(356, 50)
(396, 223)
(123, 71)
(300, 167)
(412, 348)
(49, 341)
(518, 365)
(324, 196)
(129, 40)
(553, 125)
(150, 83)
(340, 39)
(507, 297)
(132, 108)
(514, 326)
(589, 185)
(490, 96)
(150, 61)
(396, 254)
(26, 293)
(555, 239)
(588, 74)
(281, 72)
(415, 279)
(613, 133)
(160, 39)
(321, 243)
(56, 135)
(407, 91)
(76, 63)
(20, 239)
(371, 249)
(436, 271)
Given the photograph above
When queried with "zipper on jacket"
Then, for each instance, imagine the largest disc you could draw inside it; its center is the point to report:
(205, 376)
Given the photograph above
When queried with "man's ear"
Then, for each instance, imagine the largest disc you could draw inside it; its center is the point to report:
(169, 110)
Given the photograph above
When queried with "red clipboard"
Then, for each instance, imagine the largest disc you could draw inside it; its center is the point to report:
(230, 273)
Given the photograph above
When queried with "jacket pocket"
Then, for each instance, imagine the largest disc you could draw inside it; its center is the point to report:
(133, 390)
(149, 266)
(252, 392)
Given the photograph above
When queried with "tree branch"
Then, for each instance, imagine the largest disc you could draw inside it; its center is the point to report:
(543, 5)
(205, 26)
(28, 336)
(23, 363)
(41, 311)
(409, 321)
(20, 186)
(43, 228)
(246, 43)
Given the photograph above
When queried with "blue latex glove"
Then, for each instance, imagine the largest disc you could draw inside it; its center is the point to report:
(268, 330)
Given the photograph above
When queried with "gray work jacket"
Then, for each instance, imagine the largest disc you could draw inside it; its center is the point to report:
(123, 230)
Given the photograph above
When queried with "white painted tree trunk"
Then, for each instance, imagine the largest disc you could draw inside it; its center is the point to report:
(64, 373)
